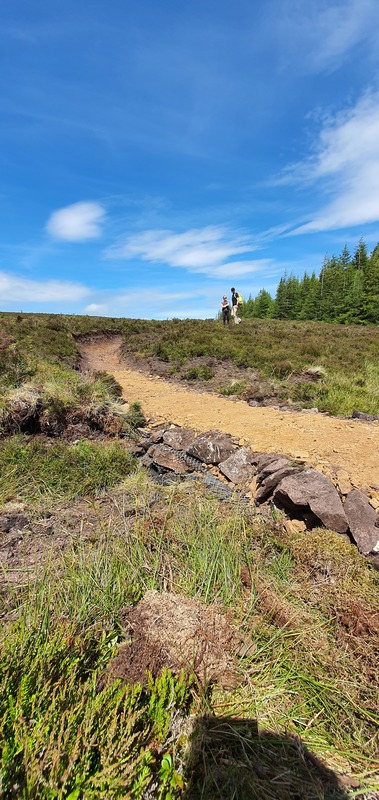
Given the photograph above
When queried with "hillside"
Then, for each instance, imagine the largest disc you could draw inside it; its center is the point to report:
(159, 642)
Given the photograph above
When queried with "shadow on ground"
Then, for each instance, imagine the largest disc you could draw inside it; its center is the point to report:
(231, 760)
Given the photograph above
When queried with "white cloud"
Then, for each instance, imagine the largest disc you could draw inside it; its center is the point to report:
(76, 223)
(207, 251)
(97, 309)
(23, 290)
(347, 163)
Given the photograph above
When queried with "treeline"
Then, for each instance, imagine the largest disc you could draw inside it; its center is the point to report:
(345, 291)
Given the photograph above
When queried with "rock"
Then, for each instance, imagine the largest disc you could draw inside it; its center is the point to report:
(313, 490)
(238, 467)
(343, 481)
(211, 447)
(170, 460)
(261, 460)
(179, 438)
(157, 436)
(270, 483)
(362, 520)
(363, 416)
(273, 466)
(295, 526)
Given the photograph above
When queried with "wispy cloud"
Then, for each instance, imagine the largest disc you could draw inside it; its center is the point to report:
(346, 165)
(209, 251)
(320, 35)
(76, 223)
(24, 290)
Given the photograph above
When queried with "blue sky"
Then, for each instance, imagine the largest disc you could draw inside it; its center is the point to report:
(153, 154)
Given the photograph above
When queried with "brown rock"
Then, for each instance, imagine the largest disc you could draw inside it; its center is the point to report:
(211, 447)
(262, 459)
(362, 518)
(170, 460)
(179, 438)
(270, 483)
(273, 466)
(238, 467)
(313, 490)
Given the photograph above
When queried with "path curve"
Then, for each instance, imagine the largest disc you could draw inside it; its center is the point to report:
(325, 442)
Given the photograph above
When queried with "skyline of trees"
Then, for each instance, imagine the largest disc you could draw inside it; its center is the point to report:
(346, 291)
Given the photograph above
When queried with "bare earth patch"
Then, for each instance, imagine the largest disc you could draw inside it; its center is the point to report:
(167, 630)
(325, 442)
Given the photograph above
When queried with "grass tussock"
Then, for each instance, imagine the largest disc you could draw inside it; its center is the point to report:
(300, 721)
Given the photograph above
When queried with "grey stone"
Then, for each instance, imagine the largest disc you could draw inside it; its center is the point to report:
(363, 416)
(211, 447)
(238, 467)
(313, 490)
(362, 520)
(179, 438)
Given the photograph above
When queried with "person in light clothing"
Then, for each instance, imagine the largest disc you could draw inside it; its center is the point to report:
(235, 316)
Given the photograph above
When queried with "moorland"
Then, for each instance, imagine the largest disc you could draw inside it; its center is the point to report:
(87, 534)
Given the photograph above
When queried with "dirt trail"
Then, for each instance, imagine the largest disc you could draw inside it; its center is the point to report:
(323, 441)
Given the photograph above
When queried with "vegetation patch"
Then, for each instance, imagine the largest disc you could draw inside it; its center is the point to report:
(305, 703)
(32, 469)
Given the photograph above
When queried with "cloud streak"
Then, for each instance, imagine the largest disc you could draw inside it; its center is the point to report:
(24, 290)
(76, 223)
(209, 251)
(346, 164)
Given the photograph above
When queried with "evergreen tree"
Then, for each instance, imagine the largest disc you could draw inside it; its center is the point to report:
(264, 305)
(370, 299)
(310, 297)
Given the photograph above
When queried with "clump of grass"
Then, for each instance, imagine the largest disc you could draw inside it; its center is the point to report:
(31, 470)
(202, 373)
(234, 388)
(134, 416)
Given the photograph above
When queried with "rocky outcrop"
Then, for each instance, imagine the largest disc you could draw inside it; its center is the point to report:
(309, 497)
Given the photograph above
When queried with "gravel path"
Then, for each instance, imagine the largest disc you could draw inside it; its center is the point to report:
(324, 441)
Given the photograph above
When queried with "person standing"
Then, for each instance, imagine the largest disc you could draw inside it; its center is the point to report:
(235, 316)
(225, 309)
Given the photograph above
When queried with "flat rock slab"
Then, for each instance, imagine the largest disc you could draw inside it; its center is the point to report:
(179, 438)
(362, 520)
(211, 447)
(312, 489)
(238, 467)
(169, 460)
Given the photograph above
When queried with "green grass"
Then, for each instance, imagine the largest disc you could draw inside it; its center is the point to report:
(33, 345)
(308, 676)
(37, 469)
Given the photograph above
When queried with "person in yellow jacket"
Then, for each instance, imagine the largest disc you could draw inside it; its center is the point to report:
(235, 304)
